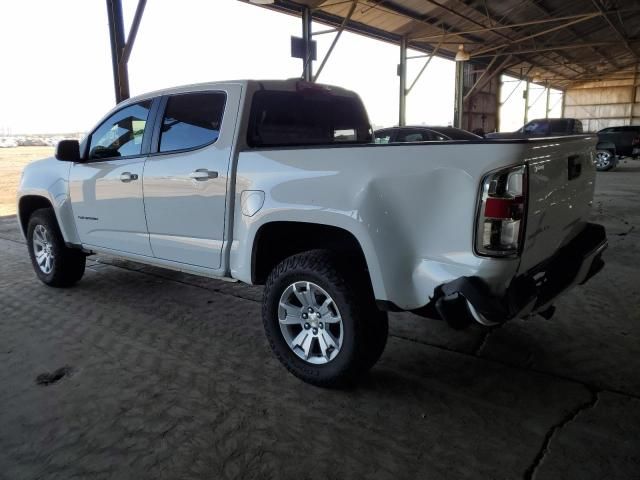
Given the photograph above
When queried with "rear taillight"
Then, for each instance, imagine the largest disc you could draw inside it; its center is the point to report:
(501, 211)
(635, 141)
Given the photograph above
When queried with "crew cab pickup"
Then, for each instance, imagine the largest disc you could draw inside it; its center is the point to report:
(280, 183)
(615, 142)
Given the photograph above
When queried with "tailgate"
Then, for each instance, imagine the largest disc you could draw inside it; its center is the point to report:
(561, 183)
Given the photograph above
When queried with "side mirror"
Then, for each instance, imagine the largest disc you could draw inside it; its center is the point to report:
(68, 151)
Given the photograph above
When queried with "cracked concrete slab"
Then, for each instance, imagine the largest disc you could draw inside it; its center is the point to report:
(600, 442)
(170, 380)
(594, 336)
(170, 376)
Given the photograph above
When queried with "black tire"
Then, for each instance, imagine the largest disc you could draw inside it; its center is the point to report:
(67, 265)
(605, 160)
(364, 327)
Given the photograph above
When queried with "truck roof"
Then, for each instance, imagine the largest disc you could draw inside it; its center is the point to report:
(286, 84)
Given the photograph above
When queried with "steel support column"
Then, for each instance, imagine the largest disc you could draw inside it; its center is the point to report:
(116, 34)
(526, 103)
(634, 89)
(498, 104)
(402, 73)
(548, 99)
(307, 69)
(133, 31)
(459, 95)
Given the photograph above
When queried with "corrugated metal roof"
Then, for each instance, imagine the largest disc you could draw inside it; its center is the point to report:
(565, 42)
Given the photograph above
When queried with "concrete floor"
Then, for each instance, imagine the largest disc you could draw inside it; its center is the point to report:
(169, 376)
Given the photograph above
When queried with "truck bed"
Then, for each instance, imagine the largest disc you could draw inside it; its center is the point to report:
(413, 207)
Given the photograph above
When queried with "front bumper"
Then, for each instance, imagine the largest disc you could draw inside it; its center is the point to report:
(466, 299)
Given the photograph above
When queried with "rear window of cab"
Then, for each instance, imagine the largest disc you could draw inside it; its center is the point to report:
(306, 117)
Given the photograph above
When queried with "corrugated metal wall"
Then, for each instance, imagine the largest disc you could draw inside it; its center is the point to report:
(604, 104)
(480, 111)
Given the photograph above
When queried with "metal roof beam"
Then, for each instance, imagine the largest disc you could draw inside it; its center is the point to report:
(387, 6)
(475, 22)
(537, 34)
(503, 27)
(576, 35)
(548, 48)
(346, 20)
(479, 84)
(617, 31)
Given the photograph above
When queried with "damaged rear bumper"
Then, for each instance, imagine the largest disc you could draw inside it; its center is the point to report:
(467, 299)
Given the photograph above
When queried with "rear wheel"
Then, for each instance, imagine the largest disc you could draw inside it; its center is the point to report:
(54, 263)
(605, 160)
(321, 322)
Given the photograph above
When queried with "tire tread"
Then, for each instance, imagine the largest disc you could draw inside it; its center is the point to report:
(359, 301)
(69, 263)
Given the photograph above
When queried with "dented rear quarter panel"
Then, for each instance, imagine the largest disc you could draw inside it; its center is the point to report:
(411, 207)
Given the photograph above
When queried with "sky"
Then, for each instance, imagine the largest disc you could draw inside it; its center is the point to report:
(57, 76)
(56, 60)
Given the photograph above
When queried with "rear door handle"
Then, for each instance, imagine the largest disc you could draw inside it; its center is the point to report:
(203, 174)
(127, 177)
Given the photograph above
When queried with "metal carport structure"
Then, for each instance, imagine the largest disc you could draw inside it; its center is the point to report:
(564, 45)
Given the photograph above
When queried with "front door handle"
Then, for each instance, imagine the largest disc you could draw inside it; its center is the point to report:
(203, 174)
(127, 177)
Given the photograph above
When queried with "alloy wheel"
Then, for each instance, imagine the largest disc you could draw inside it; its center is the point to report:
(310, 322)
(43, 249)
(603, 158)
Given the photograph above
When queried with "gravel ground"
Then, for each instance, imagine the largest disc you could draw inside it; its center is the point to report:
(140, 373)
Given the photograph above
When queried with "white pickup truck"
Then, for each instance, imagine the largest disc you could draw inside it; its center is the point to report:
(279, 183)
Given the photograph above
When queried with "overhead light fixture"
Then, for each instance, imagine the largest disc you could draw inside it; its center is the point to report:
(536, 78)
(462, 55)
(261, 2)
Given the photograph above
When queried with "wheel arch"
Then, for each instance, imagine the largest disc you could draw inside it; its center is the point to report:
(606, 146)
(29, 204)
(274, 241)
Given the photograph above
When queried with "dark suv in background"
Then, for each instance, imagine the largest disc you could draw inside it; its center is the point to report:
(543, 127)
(422, 133)
(616, 142)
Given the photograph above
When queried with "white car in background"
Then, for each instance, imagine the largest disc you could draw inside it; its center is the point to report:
(8, 142)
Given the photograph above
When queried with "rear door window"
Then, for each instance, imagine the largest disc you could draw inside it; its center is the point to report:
(191, 120)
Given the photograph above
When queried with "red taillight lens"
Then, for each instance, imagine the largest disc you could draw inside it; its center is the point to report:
(500, 227)
(504, 208)
(635, 141)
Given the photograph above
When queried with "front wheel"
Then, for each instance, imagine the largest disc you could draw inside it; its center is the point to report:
(54, 263)
(321, 322)
(605, 160)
